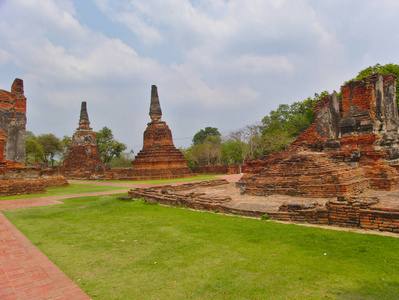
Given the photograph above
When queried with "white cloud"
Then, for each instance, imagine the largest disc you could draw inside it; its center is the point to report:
(210, 57)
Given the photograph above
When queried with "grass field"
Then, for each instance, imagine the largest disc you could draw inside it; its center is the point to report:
(132, 250)
(72, 189)
(199, 177)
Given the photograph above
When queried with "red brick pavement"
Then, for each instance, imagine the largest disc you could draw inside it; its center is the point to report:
(26, 273)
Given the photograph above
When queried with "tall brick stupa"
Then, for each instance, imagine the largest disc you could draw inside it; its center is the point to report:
(83, 154)
(159, 158)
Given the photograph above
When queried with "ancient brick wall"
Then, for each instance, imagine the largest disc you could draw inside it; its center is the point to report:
(22, 181)
(12, 125)
(362, 213)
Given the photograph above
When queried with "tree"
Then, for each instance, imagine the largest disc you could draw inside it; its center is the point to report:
(205, 154)
(108, 146)
(66, 143)
(384, 70)
(232, 152)
(51, 147)
(34, 151)
(293, 118)
(282, 126)
(122, 161)
(201, 135)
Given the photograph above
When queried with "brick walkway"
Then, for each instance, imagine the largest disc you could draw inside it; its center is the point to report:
(26, 273)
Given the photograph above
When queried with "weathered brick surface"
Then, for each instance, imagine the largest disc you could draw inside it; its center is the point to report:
(22, 181)
(12, 126)
(159, 158)
(351, 146)
(365, 213)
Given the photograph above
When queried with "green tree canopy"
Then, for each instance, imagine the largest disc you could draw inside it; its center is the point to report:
(34, 151)
(384, 70)
(51, 146)
(201, 135)
(282, 126)
(124, 160)
(66, 145)
(205, 154)
(291, 119)
(108, 146)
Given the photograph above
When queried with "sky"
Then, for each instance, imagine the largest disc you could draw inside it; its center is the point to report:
(218, 63)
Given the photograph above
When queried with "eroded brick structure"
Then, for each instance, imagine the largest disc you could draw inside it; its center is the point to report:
(352, 146)
(12, 125)
(159, 158)
(15, 178)
(83, 155)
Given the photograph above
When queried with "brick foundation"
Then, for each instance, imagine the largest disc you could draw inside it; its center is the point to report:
(23, 181)
(364, 213)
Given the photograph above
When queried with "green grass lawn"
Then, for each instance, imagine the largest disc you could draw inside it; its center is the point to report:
(74, 188)
(132, 250)
(69, 190)
(166, 181)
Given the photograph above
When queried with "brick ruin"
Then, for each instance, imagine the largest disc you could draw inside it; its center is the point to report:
(361, 212)
(159, 158)
(12, 125)
(82, 159)
(351, 147)
(15, 178)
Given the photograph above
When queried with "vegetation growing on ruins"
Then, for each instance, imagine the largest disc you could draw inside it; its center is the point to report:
(194, 255)
(384, 70)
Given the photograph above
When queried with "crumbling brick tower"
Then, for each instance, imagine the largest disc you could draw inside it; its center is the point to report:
(12, 126)
(159, 158)
(83, 154)
(352, 146)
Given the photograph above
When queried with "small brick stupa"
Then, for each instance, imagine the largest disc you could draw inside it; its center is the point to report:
(159, 158)
(83, 154)
(352, 146)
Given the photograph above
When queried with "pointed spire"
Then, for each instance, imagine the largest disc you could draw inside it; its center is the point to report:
(155, 107)
(84, 117)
